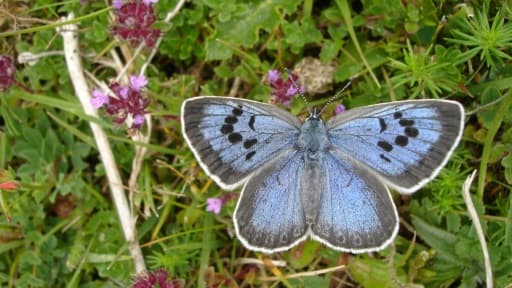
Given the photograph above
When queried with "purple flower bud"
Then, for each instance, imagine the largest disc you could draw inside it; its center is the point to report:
(138, 119)
(214, 205)
(149, 2)
(117, 4)
(157, 278)
(339, 109)
(292, 91)
(134, 20)
(124, 92)
(138, 82)
(98, 99)
(7, 70)
(273, 75)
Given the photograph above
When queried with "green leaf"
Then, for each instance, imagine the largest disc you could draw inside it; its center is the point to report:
(298, 34)
(244, 29)
(371, 272)
(305, 255)
(497, 152)
(438, 239)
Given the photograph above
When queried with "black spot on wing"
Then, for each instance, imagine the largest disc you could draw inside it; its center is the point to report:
(230, 120)
(406, 122)
(237, 111)
(249, 155)
(397, 115)
(249, 143)
(226, 129)
(383, 125)
(401, 140)
(251, 122)
(411, 132)
(385, 158)
(235, 138)
(385, 145)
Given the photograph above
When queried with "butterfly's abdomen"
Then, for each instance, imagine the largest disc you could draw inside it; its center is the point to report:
(313, 142)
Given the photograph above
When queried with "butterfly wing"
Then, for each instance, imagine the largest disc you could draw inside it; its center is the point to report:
(269, 216)
(233, 137)
(406, 142)
(356, 213)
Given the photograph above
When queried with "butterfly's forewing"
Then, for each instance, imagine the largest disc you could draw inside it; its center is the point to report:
(233, 137)
(269, 216)
(356, 213)
(405, 142)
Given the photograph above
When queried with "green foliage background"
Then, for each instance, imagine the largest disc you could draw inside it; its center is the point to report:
(397, 49)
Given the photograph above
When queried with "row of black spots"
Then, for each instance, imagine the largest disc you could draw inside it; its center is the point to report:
(228, 127)
(401, 140)
(408, 124)
(234, 137)
(247, 145)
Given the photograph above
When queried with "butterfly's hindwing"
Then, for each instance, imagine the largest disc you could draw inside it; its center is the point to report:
(269, 216)
(405, 142)
(233, 137)
(356, 213)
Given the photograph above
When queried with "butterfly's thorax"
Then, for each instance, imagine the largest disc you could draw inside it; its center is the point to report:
(313, 142)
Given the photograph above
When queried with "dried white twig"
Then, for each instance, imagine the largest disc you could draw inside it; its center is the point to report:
(478, 227)
(71, 53)
(244, 261)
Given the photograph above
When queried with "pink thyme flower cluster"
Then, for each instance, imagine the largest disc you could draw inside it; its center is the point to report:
(129, 101)
(7, 70)
(215, 204)
(339, 109)
(156, 279)
(133, 21)
(283, 90)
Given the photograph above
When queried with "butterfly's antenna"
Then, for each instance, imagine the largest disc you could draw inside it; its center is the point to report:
(299, 90)
(336, 95)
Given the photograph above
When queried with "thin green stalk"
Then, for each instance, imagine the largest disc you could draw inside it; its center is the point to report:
(508, 225)
(208, 238)
(486, 153)
(345, 13)
(307, 8)
(55, 25)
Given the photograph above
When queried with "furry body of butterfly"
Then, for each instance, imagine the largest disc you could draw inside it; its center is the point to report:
(328, 181)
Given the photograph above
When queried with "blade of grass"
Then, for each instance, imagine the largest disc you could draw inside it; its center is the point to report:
(204, 259)
(345, 13)
(486, 153)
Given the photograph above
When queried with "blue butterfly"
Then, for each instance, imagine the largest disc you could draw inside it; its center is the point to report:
(328, 181)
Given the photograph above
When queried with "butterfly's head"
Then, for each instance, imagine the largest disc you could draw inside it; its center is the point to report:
(314, 115)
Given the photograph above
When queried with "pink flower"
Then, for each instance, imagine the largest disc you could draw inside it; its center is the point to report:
(134, 20)
(138, 119)
(273, 75)
(98, 99)
(339, 109)
(156, 279)
(128, 101)
(284, 90)
(123, 92)
(117, 4)
(7, 70)
(138, 82)
(214, 205)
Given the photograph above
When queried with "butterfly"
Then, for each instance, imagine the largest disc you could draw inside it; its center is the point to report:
(324, 180)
